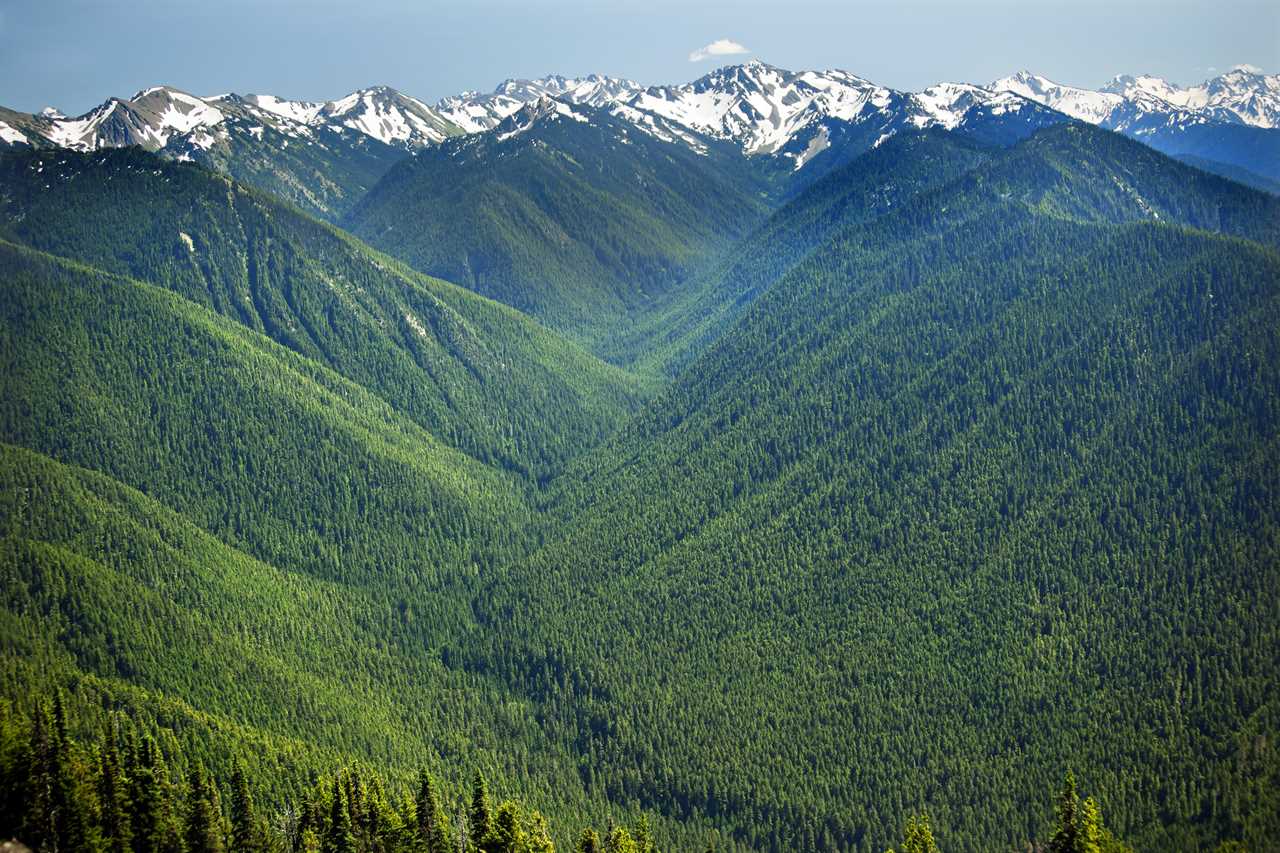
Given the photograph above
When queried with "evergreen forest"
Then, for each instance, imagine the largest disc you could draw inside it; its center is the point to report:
(575, 489)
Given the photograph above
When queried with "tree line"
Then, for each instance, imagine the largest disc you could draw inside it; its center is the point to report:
(127, 792)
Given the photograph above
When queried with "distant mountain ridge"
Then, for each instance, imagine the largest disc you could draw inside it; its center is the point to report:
(1125, 102)
(154, 117)
(762, 108)
(1233, 119)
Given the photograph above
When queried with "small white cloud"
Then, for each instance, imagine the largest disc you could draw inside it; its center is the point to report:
(1247, 68)
(719, 47)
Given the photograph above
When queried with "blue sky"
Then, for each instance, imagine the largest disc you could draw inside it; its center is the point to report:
(74, 53)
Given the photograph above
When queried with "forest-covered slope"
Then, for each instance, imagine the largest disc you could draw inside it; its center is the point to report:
(568, 213)
(983, 486)
(202, 527)
(1071, 171)
(966, 473)
(479, 376)
(255, 443)
(709, 303)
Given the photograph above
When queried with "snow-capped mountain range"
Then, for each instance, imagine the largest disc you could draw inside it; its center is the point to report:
(153, 118)
(475, 112)
(762, 109)
(1241, 96)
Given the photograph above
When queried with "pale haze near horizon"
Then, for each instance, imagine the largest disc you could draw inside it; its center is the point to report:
(73, 54)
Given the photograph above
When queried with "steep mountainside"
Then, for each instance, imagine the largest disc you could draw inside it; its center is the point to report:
(1077, 176)
(477, 375)
(934, 508)
(1235, 173)
(569, 213)
(874, 183)
(323, 170)
(202, 526)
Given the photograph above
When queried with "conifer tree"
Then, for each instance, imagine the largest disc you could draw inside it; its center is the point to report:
(432, 824)
(644, 835)
(203, 826)
(1080, 828)
(244, 821)
(588, 842)
(113, 807)
(356, 805)
(1090, 827)
(150, 816)
(539, 834)
(73, 820)
(308, 842)
(308, 821)
(339, 838)
(38, 824)
(508, 830)
(619, 841)
(373, 811)
(1066, 839)
(481, 819)
(917, 837)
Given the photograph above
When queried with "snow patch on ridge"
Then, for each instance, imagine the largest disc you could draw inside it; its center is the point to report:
(10, 134)
(302, 112)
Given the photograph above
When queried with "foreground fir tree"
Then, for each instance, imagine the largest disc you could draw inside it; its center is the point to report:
(644, 835)
(203, 825)
(540, 834)
(917, 837)
(620, 841)
(588, 842)
(1080, 828)
(113, 820)
(508, 830)
(244, 827)
(480, 825)
(432, 824)
(339, 838)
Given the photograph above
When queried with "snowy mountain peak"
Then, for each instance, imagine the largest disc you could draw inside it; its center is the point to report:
(1084, 104)
(147, 119)
(760, 106)
(753, 75)
(548, 107)
(1027, 84)
(389, 116)
(527, 90)
(1248, 92)
(475, 112)
(537, 112)
(303, 112)
(945, 104)
(153, 117)
(1242, 95)
(1147, 86)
